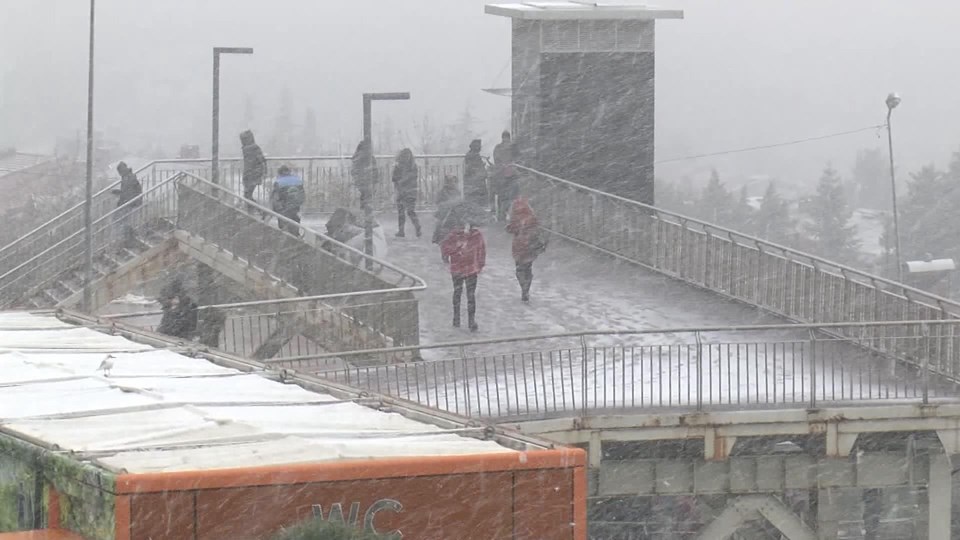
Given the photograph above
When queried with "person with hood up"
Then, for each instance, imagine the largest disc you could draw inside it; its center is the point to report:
(447, 200)
(475, 176)
(254, 164)
(466, 254)
(504, 158)
(287, 198)
(179, 312)
(405, 176)
(528, 243)
(364, 172)
(130, 187)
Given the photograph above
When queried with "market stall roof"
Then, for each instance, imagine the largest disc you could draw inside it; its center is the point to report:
(155, 410)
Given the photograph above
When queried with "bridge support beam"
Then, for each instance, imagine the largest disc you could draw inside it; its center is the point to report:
(751, 508)
(717, 447)
(940, 497)
(839, 444)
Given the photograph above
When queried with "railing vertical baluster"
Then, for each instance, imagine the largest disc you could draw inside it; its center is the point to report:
(813, 368)
(699, 339)
(583, 386)
(925, 363)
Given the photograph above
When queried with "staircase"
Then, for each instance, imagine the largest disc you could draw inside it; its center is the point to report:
(67, 286)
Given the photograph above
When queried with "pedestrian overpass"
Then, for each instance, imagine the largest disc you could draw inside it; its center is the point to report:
(763, 413)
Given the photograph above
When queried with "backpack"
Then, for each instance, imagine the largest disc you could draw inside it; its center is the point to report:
(538, 242)
(296, 195)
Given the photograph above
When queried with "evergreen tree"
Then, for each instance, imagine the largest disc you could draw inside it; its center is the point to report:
(929, 217)
(831, 232)
(743, 216)
(461, 132)
(773, 220)
(715, 204)
(309, 141)
(282, 142)
(871, 181)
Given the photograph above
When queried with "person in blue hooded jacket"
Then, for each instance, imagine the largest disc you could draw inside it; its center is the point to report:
(287, 198)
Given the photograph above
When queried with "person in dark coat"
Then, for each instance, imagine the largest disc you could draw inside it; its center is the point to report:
(179, 312)
(527, 243)
(449, 192)
(129, 192)
(405, 176)
(505, 175)
(130, 187)
(364, 172)
(287, 198)
(254, 164)
(466, 254)
(475, 176)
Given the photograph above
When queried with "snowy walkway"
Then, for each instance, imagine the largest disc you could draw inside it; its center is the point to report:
(574, 289)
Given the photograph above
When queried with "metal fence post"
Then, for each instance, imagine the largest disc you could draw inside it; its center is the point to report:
(466, 383)
(583, 369)
(699, 339)
(925, 363)
(813, 368)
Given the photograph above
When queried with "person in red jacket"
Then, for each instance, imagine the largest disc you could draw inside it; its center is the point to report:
(466, 254)
(528, 243)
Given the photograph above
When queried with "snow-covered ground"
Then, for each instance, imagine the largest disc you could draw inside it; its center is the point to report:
(576, 289)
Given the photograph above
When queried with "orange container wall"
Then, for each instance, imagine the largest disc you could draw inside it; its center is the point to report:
(470, 497)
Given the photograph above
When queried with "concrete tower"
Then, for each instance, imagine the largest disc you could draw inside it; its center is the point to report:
(583, 91)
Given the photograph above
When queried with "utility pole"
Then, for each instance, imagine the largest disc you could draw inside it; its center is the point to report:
(892, 101)
(215, 142)
(368, 100)
(87, 207)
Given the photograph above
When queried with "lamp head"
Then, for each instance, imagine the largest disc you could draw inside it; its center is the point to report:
(893, 100)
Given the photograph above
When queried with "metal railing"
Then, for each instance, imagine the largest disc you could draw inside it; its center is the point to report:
(290, 327)
(156, 205)
(326, 179)
(63, 225)
(771, 366)
(312, 262)
(778, 279)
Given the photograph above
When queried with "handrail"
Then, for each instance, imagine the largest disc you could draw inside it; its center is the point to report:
(421, 284)
(638, 332)
(109, 214)
(299, 158)
(746, 237)
(274, 302)
(73, 208)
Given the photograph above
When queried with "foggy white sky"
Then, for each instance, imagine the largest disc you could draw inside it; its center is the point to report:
(733, 74)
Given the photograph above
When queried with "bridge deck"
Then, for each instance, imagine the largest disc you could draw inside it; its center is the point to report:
(576, 289)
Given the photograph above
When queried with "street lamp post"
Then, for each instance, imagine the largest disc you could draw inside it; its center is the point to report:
(368, 100)
(215, 146)
(87, 207)
(892, 101)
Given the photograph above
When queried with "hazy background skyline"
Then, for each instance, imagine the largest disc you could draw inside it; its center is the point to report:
(731, 75)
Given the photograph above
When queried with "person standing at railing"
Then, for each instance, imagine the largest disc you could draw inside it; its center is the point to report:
(130, 189)
(466, 254)
(286, 198)
(505, 175)
(528, 242)
(254, 164)
(475, 176)
(364, 172)
(405, 177)
(179, 312)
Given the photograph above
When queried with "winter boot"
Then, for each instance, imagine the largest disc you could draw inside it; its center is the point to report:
(419, 230)
(400, 234)
(456, 319)
(473, 326)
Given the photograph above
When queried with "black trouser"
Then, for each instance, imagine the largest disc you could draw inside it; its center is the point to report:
(471, 282)
(407, 207)
(507, 191)
(292, 214)
(525, 277)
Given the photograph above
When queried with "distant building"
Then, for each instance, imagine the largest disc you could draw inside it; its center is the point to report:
(35, 188)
